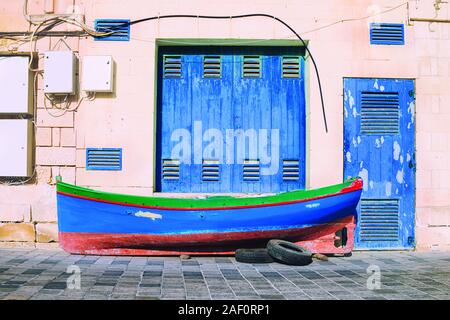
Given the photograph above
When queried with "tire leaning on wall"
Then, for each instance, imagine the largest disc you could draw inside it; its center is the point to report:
(289, 253)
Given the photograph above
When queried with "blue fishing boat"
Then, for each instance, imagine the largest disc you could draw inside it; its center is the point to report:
(95, 222)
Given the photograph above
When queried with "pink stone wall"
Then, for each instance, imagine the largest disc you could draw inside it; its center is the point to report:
(126, 117)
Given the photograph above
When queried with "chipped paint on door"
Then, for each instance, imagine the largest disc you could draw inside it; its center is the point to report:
(379, 130)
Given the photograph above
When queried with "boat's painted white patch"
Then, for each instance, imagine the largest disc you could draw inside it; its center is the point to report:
(375, 85)
(147, 214)
(313, 205)
(381, 88)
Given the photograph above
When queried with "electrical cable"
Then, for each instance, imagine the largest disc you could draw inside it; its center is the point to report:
(263, 15)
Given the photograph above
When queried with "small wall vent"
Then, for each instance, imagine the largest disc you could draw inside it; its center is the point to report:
(291, 170)
(212, 67)
(379, 113)
(251, 67)
(172, 66)
(291, 67)
(171, 169)
(251, 170)
(210, 170)
(379, 220)
(387, 33)
(103, 159)
(119, 28)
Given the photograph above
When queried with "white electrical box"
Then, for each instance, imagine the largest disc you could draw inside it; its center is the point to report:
(15, 85)
(97, 74)
(15, 147)
(59, 72)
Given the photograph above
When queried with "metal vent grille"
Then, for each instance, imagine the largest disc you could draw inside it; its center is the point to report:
(119, 28)
(291, 170)
(387, 33)
(210, 170)
(379, 113)
(212, 67)
(172, 66)
(291, 67)
(103, 159)
(379, 220)
(171, 169)
(251, 170)
(251, 67)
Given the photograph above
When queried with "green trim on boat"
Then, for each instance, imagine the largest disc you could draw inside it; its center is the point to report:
(208, 202)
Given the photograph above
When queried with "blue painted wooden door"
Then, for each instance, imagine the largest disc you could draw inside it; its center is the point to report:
(220, 97)
(379, 131)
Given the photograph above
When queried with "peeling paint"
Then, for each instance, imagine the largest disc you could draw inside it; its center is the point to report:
(381, 88)
(355, 144)
(371, 184)
(359, 139)
(401, 159)
(348, 155)
(354, 113)
(375, 85)
(351, 101)
(361, 164)
(396, 150)
(408, 157)
(399, 176)
(377, 143)
(388, 189)
(364, 174)
(382, 139)
(345, 112)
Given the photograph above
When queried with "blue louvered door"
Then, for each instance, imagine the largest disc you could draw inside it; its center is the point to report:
(379, 131)
(227, 96)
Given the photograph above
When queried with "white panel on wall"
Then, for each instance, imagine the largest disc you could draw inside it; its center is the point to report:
(59, 72)
(15, 150)
(97, 74)
(15, 85)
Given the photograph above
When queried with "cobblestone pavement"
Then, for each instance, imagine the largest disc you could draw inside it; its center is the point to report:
(42, 274)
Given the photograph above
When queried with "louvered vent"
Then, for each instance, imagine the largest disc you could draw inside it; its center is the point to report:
(171, 169)
(291, 67)
(103, 159)
(172, 66)
(291, 170)
(212, 67)
(387, 33)
(210, 170)
(119, 28)
(379, 113)
(251, 170)
(251, 67)
(379, 220)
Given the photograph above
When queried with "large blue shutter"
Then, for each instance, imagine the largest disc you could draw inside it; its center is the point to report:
(232, 88)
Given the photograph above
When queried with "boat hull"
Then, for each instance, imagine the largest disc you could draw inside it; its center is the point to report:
(90, 225)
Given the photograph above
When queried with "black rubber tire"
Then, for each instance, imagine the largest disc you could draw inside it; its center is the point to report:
(289, 253)
(253, 256)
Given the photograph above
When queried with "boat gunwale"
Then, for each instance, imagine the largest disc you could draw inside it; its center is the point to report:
(211, 203)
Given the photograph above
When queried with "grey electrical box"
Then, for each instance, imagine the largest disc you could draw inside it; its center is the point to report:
(59, 72)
